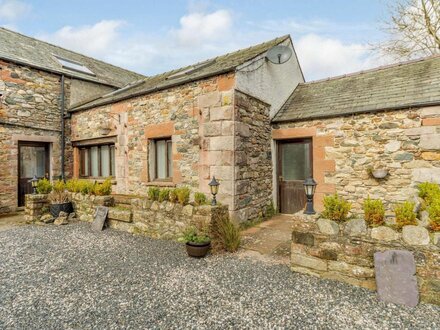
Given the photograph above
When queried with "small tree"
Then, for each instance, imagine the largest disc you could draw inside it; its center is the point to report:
(413, 29)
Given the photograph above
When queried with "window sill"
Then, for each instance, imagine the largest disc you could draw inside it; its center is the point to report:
(161, 183)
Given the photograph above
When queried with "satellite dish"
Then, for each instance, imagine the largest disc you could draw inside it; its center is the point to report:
(279, 54)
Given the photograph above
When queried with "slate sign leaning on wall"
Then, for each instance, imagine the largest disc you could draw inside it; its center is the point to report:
(99, 218)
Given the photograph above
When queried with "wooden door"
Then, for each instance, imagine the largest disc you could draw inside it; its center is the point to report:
(294, 166)
(33, 159)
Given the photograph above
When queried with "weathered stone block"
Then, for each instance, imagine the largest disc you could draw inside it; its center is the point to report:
(426, 174)
(221, 113)
(120, 214)
(384, 233)
(209, 100)
(352, 270)
(355, 227)
(303, 238)
(415, 235)
(430, 142)
(308, 262)
(328, 227)
(212, 129)
(221, 143)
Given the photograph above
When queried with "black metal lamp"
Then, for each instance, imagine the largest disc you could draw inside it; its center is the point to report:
(34, 182)
(214, 190)
(309, 187)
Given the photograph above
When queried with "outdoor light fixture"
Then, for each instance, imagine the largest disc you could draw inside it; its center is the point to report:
(214, 189)
(34, 182)
(309, 187)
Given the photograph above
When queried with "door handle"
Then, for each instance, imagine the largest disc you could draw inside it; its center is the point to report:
(280, 178)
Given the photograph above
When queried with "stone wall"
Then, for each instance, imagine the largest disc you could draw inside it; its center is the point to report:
(253, 175)
(35, 206)
(344, 252)
(405, 142)
(164, 220)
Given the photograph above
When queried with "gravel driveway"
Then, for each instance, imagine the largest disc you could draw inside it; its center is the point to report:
(69, 277)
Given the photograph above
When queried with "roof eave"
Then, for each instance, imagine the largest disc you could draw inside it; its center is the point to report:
(327, 116)
(151, 90)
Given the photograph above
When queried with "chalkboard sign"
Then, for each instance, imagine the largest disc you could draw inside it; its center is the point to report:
(99, 218)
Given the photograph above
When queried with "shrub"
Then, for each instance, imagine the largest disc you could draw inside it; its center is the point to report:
(85, 187)
(183, 195)
(226, 235)
(104, 188)
(200, 198)
(194, 235)
(153, 193)
(405, 214)
(374, 212)
(59, 186)
(335, 208)
(164, 195)
(44, 186)
(72, 185)
(429, 191)
(434, 215)
(172, 196)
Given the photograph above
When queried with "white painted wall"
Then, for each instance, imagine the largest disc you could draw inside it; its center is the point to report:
(271, 83)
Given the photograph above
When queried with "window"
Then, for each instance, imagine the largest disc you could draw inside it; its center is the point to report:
(73, 65)
(97, 161)
(162, 159)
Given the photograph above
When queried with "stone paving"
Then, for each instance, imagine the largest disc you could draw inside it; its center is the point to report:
(271, 239)
(11, 221)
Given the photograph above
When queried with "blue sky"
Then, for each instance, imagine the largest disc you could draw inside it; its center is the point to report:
(330, 37)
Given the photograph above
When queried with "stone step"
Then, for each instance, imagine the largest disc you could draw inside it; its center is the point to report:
(122, 199)
(120, 214)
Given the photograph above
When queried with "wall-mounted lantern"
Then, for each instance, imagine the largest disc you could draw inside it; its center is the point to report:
(309, 187)
(34, 182)
(214, 190)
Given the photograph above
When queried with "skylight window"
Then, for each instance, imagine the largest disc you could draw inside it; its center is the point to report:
(73, 65)
(191, 69)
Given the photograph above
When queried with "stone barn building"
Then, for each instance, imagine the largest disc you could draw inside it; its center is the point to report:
(38, 83)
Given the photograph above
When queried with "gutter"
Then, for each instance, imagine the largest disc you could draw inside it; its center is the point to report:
(63, 134)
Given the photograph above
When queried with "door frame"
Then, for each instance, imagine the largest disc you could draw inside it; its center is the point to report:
(46, 146)
(279, 143)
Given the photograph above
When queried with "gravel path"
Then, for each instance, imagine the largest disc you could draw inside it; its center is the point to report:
(69, 277)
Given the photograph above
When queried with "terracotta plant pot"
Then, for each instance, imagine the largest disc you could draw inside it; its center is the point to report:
(197, 250)
(55, 209)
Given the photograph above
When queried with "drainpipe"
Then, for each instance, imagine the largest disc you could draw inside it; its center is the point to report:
(63, 137)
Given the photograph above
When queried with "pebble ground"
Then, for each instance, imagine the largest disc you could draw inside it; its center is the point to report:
(72, 278)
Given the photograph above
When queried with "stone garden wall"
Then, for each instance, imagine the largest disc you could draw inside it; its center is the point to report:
(344, 251)
(405, 142)
(138, 215)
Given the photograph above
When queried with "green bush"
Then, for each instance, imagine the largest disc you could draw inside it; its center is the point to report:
(183, 195)
(44, 186)
(73, 186)
(164, 195)
(85, 187)
(336, 208)
(104, 188)
(405, 214)
(172, 196)
(193, 235)
(153, 193)
(59, 186)
(434, 215)
(374, 212)
(200, 199)
(429, 191)
(226, 235)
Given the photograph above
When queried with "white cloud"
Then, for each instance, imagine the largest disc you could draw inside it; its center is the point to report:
(322, 57)
(196, 28)
(11, 10)
(94, 40)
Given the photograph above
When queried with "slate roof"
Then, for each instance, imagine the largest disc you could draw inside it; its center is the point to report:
(399, 86)
(25, 50)
(221, 64)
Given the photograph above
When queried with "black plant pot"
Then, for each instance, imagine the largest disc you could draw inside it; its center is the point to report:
(197, 250)
(55, 209)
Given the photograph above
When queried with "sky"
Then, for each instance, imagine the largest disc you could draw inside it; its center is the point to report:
(331, 37)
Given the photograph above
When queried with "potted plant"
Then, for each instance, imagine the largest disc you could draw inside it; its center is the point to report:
(197, 242)
(59, 200)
